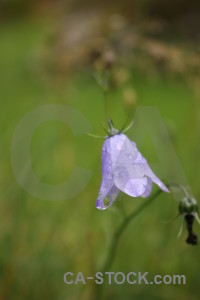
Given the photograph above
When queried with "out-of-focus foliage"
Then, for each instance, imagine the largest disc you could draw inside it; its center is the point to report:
(49, 53)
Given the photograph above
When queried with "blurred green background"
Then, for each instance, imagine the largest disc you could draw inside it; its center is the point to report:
(49, 53)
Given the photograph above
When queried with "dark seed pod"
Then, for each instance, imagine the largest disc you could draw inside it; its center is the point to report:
(192, 237)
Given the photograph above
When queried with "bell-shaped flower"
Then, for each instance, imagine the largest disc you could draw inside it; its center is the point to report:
(124, 169)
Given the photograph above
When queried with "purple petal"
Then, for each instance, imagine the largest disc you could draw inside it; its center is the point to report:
(131, 168)
(107, 175)
(132, 187)
(148, 188)
(124, 168)
(113, 194)
(121, 149)
(145, 168)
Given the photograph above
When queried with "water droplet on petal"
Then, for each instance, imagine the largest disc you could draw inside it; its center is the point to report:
(120, 145)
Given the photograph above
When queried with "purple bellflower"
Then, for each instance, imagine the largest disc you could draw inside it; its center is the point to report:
(124, 169)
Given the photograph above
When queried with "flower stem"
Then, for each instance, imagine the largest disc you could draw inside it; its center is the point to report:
(112, 251)
(118, 233)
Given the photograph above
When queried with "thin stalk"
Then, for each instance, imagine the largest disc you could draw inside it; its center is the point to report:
(113, 248)
(118, 233)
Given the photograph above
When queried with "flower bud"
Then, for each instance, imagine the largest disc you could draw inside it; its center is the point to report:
(188, 205)
(188, 208)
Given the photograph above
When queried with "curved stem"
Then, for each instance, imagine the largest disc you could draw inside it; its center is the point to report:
(112, 251)
(118, 233)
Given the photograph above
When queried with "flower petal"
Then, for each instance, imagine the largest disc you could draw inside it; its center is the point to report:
(122, 151)
(133, 186)
(134, 169)
(146, 170)
(124, 168)
(113, 194)
(107, 175)
(148, 188)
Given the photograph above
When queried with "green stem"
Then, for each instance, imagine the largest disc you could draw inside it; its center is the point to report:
(118, 233)
(112, 251)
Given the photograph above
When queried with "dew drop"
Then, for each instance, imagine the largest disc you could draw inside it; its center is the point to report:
(120, 145)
